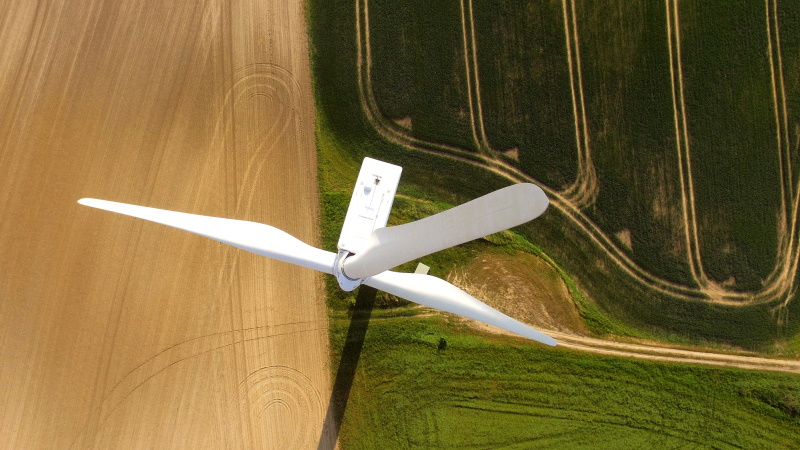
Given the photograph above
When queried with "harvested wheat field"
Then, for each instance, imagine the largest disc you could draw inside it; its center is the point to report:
(121, 333)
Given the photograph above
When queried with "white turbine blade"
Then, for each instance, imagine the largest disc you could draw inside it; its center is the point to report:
(254, 237)
(437, 293)
(502, 209)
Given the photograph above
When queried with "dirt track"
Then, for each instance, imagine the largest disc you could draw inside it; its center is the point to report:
(115, 332)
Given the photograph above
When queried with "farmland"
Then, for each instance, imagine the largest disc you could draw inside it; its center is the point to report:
(597, 103)
(525, 87)
(632, 211)
(735, 162)
(118, 333)
(420, 80)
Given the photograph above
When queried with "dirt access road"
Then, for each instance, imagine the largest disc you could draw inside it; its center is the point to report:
(119, 333)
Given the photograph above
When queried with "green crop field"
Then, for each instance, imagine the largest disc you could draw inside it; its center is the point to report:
(626, 79)
(733, 145)
(659, 99)
(418, 68)
(525, 86)
(631, 126)
(427, 380)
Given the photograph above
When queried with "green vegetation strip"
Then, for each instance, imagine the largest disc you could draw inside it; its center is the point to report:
(425, 383)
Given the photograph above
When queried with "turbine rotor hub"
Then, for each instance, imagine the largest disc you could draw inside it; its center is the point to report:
(346, 283)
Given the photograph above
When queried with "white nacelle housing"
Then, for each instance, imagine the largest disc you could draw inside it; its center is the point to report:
(370, 204)
(369, 210)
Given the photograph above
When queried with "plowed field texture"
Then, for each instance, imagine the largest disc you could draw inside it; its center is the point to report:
(119, 333)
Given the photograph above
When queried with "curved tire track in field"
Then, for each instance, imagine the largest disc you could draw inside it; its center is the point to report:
(780, 282)
(253, 149)
(651, 352)
(786, 268)
(682, 144)
(393, 133)
(272, 397)
(583, 192)
(170, 358)
(480, 143)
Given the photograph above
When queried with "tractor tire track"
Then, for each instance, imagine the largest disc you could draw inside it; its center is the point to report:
(708, 290)
(480, 143)
(584, 190)
(594, 345)
(682, 145)
(389, 131)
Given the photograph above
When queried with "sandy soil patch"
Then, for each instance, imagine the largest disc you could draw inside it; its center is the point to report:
(624, 237)
(405, 122)
(119, 333)
(522, 286)
(512, 153)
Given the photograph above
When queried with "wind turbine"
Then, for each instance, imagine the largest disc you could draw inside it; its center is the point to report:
(368, 249)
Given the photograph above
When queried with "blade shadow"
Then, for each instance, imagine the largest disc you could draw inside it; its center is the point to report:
(351, 353)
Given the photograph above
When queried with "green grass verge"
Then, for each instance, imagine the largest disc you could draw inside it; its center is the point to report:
(493, 392)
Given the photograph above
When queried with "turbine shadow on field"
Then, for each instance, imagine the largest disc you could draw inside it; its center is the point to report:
(351, 353)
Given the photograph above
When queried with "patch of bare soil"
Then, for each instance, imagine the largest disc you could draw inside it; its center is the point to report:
(624, 236)
(512, 153)
(116, 333)
(405, 122)
(522, 286)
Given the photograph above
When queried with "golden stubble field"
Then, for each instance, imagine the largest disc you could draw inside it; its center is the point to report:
(117, 332)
